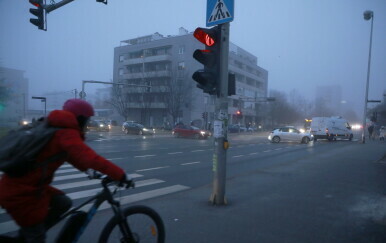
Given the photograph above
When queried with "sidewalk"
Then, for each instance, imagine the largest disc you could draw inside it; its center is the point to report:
(270, 206)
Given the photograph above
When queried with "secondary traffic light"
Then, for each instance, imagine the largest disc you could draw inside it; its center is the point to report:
(40, 13)
(208, 78)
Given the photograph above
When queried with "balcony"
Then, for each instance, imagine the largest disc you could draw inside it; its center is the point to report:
(151, 74)
(158, 58)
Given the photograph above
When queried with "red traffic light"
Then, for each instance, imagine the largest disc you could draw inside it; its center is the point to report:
(238, 113)
(204, 36)
(36, 3)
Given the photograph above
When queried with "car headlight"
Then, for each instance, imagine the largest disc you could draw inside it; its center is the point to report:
(202, 132)
(101, 125)
(144, 129)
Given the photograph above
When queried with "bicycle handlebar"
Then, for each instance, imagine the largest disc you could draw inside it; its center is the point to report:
(93, 174)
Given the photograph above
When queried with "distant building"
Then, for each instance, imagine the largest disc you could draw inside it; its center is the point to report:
(13, 97)
(166, 64)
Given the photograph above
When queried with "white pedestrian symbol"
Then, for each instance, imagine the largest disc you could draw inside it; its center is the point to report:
(219, 12)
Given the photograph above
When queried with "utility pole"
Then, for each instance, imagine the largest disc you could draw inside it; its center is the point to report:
(220, 128)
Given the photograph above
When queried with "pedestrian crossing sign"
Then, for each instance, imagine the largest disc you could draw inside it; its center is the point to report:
(219, 11)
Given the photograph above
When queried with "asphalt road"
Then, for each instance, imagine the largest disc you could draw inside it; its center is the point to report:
(308, 191)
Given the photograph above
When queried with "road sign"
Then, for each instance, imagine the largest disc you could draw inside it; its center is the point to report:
(219, 11)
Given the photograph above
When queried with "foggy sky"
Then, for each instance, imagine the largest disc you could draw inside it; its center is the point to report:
(302, 43)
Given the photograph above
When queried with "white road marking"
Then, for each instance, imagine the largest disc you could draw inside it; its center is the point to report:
(92, 192)
(144, 156)
(199, 150)
(65, 171)
(253, 153)
(267, 151)
(175, 153)
(10, 226)
(155, 168)
(235, 156)
(87, 183)
(191, 163)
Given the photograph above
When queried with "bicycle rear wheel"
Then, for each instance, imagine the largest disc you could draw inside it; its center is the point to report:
(145, 224)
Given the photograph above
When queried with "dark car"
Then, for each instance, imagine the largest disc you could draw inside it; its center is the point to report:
(99, 126)
(190, 131)
(136, 128)
(234, 128)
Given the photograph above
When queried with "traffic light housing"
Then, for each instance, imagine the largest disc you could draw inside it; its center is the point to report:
(40, 13)
(239, 113)
(102, 1)
(208, 78)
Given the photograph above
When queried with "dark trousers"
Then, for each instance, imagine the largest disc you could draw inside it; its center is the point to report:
(37, 233)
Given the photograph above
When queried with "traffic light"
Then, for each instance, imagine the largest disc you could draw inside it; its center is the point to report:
(231, 84)
(208, 78)
(40, 13)
(102, 1)
(239, 113)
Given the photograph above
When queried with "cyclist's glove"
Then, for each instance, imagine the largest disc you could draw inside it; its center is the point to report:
(125, 182)
(93, 174)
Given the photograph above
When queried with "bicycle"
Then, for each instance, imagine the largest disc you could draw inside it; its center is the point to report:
(124, 224)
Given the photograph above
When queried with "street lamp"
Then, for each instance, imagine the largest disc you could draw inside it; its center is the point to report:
(367, 15)
(42, 99)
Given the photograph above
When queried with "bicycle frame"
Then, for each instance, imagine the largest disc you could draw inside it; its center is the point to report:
(104, 195)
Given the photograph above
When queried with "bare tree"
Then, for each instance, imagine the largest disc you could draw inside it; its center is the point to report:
(281, 112)
(120, 101)
(177, 94)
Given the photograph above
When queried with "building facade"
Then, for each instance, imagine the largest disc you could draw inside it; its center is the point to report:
(154, 73)
(14, 95)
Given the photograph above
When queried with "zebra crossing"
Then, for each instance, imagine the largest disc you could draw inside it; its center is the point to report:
(79, 188)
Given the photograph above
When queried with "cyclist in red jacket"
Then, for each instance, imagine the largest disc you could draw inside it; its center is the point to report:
(30, 200)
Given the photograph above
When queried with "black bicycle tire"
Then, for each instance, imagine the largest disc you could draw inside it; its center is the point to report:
(139, 209)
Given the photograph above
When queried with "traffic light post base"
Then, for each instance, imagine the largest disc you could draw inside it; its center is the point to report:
(219, 173)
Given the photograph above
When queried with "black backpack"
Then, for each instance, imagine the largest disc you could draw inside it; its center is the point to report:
(19, 148)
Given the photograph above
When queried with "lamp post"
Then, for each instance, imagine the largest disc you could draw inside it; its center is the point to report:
(367, 15)
(42, 99)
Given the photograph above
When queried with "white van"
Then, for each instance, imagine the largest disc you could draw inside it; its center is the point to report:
(330, 128)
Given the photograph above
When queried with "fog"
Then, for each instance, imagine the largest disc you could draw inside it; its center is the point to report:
(303, 44)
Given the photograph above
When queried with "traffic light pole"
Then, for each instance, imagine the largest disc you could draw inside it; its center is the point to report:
(220, 128)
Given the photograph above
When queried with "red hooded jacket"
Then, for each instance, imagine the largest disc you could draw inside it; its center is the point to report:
(26, 198)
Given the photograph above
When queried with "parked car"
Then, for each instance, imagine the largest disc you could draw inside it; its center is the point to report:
(190, 131)
(234, 128)
(99, 126)
(289, 134)
(136, 128)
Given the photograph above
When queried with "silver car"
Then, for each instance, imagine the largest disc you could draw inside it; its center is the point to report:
(289, 134)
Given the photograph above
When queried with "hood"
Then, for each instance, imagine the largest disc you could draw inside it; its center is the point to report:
(65, 119)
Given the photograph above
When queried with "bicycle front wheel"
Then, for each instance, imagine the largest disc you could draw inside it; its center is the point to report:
(145, 224)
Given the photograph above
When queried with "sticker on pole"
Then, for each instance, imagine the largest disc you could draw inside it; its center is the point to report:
(219, 11)
(218, 131)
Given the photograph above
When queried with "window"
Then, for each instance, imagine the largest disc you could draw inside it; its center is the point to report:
(181, 50)
(181, 65)
(121, 58)
(285, 129)
(121, 71)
